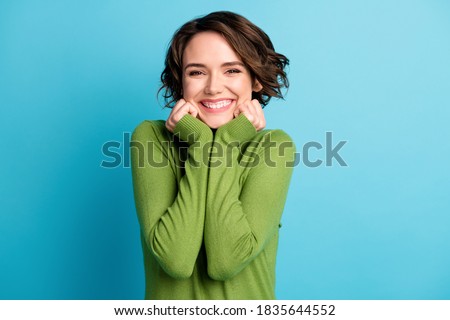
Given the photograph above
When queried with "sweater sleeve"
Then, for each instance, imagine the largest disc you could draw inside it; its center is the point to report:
(171, 214)
(242, 215)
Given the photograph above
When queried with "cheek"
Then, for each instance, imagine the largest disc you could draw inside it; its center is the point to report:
(191, 88)
(243, 88)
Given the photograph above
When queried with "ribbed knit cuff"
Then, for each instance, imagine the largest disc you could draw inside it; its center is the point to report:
(239, 129)
(191, 130)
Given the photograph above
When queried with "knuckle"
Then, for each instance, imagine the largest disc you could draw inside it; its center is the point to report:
(176, 118)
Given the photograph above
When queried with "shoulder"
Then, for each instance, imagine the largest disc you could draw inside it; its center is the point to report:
(278, 147)
(279, 135)
(275, 138)
(150, 130)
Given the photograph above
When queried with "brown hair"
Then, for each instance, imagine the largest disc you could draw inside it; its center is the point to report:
(251, 44)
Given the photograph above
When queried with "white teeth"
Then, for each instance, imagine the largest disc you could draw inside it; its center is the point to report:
(217, 105)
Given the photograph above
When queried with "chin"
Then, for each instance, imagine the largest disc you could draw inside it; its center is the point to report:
(216, 123)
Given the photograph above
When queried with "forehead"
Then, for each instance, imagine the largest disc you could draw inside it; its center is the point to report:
(209, 48)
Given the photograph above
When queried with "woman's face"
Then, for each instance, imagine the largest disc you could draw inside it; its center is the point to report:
(214, 78)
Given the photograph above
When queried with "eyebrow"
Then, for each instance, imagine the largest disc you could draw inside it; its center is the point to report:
(226, 64)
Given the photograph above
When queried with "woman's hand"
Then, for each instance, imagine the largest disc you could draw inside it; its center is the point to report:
(181, 108)
(254, 113)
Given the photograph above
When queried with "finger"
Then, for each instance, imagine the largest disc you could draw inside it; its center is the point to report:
(260, 114)
(169, 124)
(191, 109)
(247, 110)
(253, 107)
(178, 105)
(242, 108)
(237, 111)
(186, 108)
(172, 119)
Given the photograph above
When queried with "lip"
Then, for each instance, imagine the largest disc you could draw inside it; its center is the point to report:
(218, 110)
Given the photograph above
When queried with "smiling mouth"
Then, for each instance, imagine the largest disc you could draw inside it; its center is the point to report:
(216, 105)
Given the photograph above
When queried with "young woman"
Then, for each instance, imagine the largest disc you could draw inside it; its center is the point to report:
(209, 183)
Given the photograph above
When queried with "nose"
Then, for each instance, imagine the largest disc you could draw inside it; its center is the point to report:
(214, 84)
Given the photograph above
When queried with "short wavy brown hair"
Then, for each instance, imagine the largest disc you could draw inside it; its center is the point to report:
(250, 43)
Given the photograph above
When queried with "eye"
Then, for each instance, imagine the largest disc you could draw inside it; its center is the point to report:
(194, 73)
(232, 71)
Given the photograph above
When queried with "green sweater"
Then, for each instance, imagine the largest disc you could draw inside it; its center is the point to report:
(209, 207)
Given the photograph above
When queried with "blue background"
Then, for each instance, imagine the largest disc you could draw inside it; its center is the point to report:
(76, 74)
